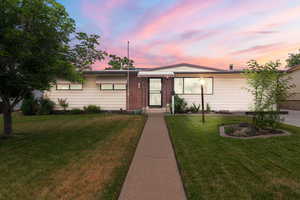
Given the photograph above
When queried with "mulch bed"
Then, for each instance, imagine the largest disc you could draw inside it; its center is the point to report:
(246, 130)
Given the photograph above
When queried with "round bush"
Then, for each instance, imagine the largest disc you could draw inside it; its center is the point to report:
(29, 106)
(76, 111)
(92, 109)
(46, 107)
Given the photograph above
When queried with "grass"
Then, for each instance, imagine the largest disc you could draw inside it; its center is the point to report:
(68, 156)
(213, 167)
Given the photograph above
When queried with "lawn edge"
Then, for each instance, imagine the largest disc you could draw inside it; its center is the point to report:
(131, 159)
(176, 158)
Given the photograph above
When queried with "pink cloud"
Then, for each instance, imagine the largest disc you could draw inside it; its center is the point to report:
(163, 37)
(169, 17)
(273, 22)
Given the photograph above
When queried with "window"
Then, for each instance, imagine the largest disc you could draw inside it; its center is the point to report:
(76, 87)
(106, 86)
(65, 86)
(62, 86)
(208, 86)
(119, 86)
(178, 85)
(193, 85)
(112, 86)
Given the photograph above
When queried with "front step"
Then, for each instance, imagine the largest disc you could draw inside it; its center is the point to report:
(156, 110)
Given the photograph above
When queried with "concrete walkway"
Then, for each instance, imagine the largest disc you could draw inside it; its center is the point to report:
(153, 174)
(293, 118)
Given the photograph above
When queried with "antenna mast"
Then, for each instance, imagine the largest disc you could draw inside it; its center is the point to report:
(128, 77)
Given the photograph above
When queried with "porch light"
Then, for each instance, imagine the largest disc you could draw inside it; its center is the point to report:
(202, 83)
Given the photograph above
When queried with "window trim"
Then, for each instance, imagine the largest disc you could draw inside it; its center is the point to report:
(69, 84)
(212, 87)
(107, 89)
(76, 84)
(113, 87)
(120, 84)
(62, 84)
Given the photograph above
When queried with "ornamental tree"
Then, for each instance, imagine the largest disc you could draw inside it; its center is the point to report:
(293, 59)
(269, 87)
(38, 45)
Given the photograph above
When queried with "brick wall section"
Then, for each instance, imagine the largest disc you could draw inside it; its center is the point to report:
(167, 89)
(135, 92)
(138, 92)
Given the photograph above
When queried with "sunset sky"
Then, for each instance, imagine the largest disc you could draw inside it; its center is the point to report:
(212, 33)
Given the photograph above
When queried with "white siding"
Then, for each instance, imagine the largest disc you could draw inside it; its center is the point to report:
(92, 95)
(228, 94)
(183, 69)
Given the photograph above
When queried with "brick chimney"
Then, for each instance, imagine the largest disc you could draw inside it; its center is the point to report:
(231, 67)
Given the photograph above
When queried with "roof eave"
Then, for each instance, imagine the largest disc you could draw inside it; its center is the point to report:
(110, 72)
(217, 72)
(186, 64)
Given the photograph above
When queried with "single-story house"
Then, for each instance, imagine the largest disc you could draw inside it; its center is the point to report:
(293, 102)
(153, 88)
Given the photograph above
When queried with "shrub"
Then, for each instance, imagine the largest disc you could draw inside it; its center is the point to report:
(92, 109)
(208, 109)
(76, 111)
(1, 107)
(29, 105)
(180, 104)
(63, 103)
(269, 87)
(194, 108)
(138, 112)
(46, 106)
(170, 108)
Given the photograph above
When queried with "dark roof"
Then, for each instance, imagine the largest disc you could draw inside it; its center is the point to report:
(110, 72)
(216, 72)
(189, 65)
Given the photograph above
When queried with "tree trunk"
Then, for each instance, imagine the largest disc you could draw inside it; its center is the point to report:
(7, 120)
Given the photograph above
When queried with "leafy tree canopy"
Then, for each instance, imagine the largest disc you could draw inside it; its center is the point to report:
(117, 62)
(293, 59)
(38, 45)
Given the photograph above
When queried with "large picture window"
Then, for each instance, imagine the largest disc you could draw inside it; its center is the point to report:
(193, 85)
(178, 85)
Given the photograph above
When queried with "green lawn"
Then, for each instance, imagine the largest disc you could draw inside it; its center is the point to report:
(214, 167)
(68, 156)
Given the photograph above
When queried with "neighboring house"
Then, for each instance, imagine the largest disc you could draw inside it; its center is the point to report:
(293, 103)
(153, 88)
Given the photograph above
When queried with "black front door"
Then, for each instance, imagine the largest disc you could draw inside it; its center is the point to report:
(155, 94)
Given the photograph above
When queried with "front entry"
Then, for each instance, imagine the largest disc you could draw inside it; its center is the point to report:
(155, 94)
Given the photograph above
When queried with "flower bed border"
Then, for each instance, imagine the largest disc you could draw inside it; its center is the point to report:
(223, 134)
